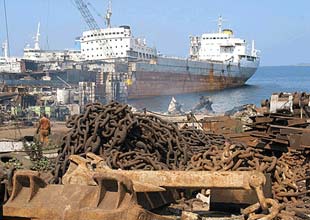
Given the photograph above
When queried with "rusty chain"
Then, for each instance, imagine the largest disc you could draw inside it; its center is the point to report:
(131, 141)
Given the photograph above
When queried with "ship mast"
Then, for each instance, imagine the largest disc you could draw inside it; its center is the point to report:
(253, 53)
(109, 14)
(5, 49)
(220, 24)
(37, 39)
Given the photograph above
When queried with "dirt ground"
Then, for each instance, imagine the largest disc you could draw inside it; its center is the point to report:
(17, 133)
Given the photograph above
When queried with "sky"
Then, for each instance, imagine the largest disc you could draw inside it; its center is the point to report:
(280, 28)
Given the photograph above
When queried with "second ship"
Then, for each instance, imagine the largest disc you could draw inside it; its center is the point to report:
(216, 61)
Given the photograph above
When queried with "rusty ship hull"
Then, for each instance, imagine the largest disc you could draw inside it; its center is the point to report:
(175, 76)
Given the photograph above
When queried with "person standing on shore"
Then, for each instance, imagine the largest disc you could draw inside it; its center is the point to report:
(44, 129)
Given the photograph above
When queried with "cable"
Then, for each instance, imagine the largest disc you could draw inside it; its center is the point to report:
(47, 26)
(6, 26)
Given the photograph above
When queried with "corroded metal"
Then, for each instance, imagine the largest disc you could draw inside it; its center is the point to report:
(112, 198)
(145, 181)
(81, 170)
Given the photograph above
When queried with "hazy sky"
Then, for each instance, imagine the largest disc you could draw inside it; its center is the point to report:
(281, 28)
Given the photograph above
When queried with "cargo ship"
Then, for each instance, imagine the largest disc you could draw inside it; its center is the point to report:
(216, 61)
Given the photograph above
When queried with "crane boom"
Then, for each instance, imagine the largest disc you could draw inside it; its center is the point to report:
(89, 19)
(94, 27)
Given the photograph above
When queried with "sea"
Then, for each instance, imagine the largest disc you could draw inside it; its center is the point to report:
(265, 82)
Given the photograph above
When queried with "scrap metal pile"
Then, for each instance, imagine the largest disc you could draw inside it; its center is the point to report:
(134, 141)
(280, 132)
(131, 141)
(292, 104)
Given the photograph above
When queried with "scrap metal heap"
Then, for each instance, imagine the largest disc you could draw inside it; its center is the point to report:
(279, 132)
(295, 104)
(143, 162)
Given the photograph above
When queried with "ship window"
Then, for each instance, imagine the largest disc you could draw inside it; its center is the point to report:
(122, 53)
(116, 53)
(91, 35)
(126, 45)
(121, 39)
(115, 46)
(122, 32)
(117, 33)
(95, 35)
(100, 48)
(115, 39)
(87, 43)
(113, 32)
(214, 38)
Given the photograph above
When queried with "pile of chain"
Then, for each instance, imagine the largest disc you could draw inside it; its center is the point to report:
(138, 141)
(288, 172)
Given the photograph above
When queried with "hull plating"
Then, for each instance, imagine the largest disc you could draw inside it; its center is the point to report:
(148, 83)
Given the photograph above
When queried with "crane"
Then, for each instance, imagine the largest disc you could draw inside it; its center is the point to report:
(88, 17)
(92, 24)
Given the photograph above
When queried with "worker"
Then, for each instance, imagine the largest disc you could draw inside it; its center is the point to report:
(44, 129)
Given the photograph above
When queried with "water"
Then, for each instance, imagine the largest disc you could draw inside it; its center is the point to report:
(267, 80)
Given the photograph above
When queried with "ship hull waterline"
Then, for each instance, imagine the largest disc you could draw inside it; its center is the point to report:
(150, 84)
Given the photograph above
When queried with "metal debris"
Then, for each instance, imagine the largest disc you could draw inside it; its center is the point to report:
(130, 141)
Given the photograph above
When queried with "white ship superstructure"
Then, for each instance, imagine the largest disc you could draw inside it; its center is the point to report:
(38, 55)
(9, 64)
(222, 47)
(113, 43)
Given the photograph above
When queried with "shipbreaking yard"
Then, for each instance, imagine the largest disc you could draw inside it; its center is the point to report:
(71, 148)
(113, 162)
